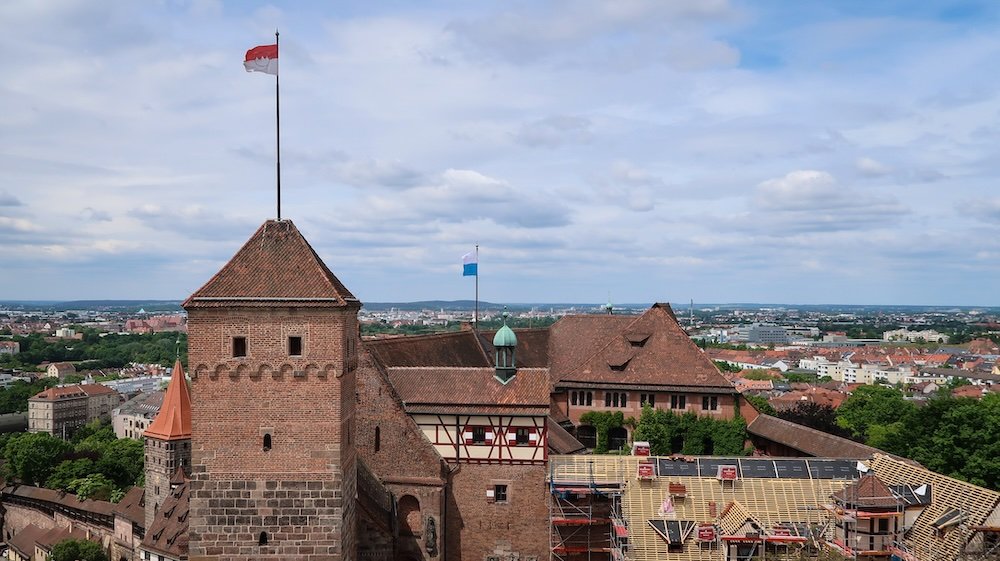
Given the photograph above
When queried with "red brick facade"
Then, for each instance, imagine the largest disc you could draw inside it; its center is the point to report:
(272, 457)
(480, 526)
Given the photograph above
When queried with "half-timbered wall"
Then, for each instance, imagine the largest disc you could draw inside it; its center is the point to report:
(486, 438)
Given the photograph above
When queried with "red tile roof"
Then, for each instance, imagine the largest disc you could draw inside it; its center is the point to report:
(456, 349)
(808, 440)
(132, 506)
(471, 389)
(867, 492)
(73, 391)
(168, 533)
(24, 541)
(65, 392)
(569, 336)
(276, 266)
(173, 422)
(614, 354)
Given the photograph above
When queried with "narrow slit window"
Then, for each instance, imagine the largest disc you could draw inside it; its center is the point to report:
(262, 540)
(295, 346)
(239, 346)
(267, 442)
(378, 438)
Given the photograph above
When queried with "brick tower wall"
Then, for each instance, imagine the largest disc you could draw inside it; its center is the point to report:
(479, 529)
(300, 492)
(162, 457)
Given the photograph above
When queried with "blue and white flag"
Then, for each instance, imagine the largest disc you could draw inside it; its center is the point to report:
(470, 265)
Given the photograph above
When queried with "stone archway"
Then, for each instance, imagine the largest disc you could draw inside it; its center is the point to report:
(587, 435)
(408, 514)
(617, 437)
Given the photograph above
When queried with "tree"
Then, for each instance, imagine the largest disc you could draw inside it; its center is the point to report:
(815, 415)
(958, 437)
(690, 433)
(727, 366)
(122, 461)
(95, 486)
(78, 550)
(760, 403)
(69, 471)
(31, 457)
(872, 405)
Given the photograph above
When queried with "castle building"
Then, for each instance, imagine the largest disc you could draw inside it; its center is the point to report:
(273, 349)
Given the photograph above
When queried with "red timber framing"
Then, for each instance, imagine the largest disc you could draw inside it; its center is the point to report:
(499, 436)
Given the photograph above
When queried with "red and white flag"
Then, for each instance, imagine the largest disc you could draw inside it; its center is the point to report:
(262, 59)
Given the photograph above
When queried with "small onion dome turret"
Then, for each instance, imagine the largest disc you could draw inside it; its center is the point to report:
(505, 342)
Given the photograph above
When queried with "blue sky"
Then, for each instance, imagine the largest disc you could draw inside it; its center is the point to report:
(797, 152)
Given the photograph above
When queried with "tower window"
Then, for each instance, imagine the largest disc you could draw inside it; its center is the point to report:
(378, 438)
(500, 493)
(295, 346)
(262, 539)
(239, 346)
(267, 442)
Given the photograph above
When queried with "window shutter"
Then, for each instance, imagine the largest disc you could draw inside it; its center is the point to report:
(467, 436)
(489, 437)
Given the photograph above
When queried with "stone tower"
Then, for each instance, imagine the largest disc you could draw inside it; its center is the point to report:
(272, 345)
(168, 442)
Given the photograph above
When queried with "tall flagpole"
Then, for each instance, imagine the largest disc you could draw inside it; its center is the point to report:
(476, 317)
(277, 128)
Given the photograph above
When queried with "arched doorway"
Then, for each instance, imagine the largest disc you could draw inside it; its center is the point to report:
(408, 512)
(617, 437)
(587, 435)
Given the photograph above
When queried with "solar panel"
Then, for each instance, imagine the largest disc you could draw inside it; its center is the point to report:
(710, 466)
(669, 467)
(792, 469)
(834, 469)
(673, 531)
(763, 469)
(909, 494)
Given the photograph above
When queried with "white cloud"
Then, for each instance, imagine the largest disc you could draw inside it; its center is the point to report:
(872, 168)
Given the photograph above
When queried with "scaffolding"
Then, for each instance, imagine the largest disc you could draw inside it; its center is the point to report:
(585, 516)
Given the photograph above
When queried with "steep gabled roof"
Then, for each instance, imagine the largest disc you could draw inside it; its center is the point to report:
(453, 349)
(173, 422)
(572, 336)
(651, 349)
(471, 389)
(132, 506)
(867, 492)
(276, 266)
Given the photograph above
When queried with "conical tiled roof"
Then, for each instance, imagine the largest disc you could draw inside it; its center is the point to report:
(276, 266)
(173, 422)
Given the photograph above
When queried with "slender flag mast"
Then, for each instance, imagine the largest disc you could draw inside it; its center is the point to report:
(277, 129)
(264, 58)
(476, 316)
(470, 268)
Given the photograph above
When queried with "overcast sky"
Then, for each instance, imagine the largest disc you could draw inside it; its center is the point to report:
(725, 151)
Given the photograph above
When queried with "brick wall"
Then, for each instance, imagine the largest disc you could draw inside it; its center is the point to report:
(300, 492)
(17, 517)
(405, 461)
(479, 528)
